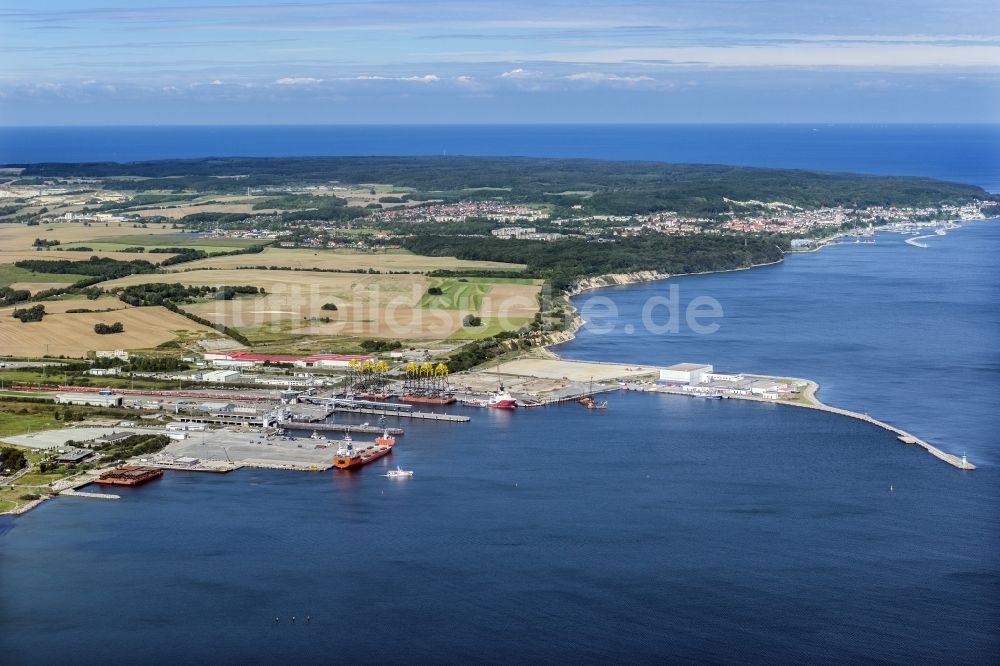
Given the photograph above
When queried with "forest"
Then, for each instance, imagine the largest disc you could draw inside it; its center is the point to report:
(564, 262)
(596, 186)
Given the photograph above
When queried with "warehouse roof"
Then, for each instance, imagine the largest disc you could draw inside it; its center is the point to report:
(687, 367)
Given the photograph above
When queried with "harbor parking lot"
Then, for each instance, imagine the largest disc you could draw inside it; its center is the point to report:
(56, 439)
(251, 449)
(577, 371)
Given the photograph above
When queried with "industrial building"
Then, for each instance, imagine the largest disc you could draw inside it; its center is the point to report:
(92, 399)
(723, 376)
(221, 376)
(216, 407)
(73, 457)
(234, 360)
(685, 373)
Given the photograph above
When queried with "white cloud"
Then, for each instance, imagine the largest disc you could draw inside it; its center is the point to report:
(426, 78)
(599, 77)
(520, 73)
(298, 81)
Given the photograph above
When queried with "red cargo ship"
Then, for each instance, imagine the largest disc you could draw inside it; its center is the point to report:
(348, 456)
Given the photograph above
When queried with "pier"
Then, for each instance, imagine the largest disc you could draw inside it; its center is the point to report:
(339, 427)
(907, 438)
(381, 411)
(957, 461)
(82, 493)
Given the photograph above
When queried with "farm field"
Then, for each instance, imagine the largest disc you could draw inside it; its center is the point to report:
(491, 326)
(208, 204)
(16, 242)
(468, 293)
(370, 306)
(20, 278)
(21, 236)
(73, 335)
(346, 260)
(173, 239)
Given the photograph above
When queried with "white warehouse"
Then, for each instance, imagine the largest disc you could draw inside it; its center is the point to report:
(685, 373)
(220, 376)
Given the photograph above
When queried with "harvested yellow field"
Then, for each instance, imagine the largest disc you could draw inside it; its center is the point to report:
(73, 334)
(19, 237)
(346, 260)
(380, 306)
(177, 212)
(510, 300)
(35, 287)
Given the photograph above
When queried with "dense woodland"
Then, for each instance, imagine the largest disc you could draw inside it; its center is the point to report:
(563, 262)
(611, 187)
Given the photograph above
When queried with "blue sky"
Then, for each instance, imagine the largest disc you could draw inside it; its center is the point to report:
(68, 62)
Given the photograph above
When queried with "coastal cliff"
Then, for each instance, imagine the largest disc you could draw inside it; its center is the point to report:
(613, 279)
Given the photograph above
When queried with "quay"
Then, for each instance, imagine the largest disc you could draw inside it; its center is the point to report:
(381, 411)
(354, 406)
(338, 427)
(568, 380)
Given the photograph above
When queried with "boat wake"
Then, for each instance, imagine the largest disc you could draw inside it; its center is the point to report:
(940, 231)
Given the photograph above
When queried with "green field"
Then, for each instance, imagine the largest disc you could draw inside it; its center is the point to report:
(455, 295)
(15, 423)
(491, 326)
(9, 274)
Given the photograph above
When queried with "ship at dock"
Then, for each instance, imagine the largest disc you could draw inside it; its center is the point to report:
(129, 475)
(426, 399)
(348, 456)
(502, 399)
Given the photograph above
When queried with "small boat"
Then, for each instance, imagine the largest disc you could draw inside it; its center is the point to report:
(597, 405)
(399, 473)
(317, 436)
(705, 396)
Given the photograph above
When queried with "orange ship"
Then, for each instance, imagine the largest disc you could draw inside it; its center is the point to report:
(348, 456)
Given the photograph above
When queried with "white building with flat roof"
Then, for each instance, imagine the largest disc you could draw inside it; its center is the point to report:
(92, 399)
(685, 373)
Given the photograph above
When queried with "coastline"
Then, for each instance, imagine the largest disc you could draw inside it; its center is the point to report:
(618, 280)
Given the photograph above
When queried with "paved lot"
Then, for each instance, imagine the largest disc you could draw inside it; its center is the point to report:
(579, 371)
(55, 439)
(253, 449)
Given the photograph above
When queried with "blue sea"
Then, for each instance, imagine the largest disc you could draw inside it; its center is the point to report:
(964, 153)
(665, 529)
